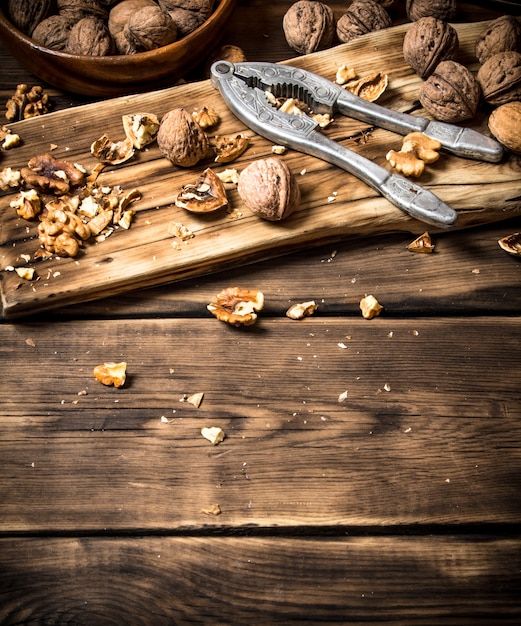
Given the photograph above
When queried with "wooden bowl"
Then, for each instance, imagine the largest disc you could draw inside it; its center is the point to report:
(117, 75)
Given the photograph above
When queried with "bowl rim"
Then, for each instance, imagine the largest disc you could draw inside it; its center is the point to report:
(114, 59)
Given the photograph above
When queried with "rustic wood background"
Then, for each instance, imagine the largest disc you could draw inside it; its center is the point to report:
(399, 504)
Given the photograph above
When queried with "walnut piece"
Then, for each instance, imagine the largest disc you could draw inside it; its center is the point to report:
(111, 373)
(269, 189)
(206, 195)
(237, 306)
(90, 36)
(511, 244)
(422, 244)
(28, 204)
(206, 117)
(500, 78)
(27, 14)
(505, 124)
(180, 139)
(370, 307)
(502, 35)
(229, 147)
(440, 9)
(301, 309)
(417, 150)
(140, 128)
(369, 87)
(214, 434)
(362, 17)
(309, 26)
(49, 175)
(427, 42)
(26, 103)
(451, 93)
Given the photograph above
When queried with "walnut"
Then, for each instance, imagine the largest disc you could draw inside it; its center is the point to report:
(180, 139)
(27, 102)
(90, 36)
(187, 14)
(503, 34)
(118, 17)
(362, 17)
(451, 93)
(27, 14)
(149, 28)
(440, 9)
(206, 195)
(427, 42)
(500, 78)
(237, 306)
(309, 26)
(228, 52)
(49, 175)
(53, 32)
(78, 9)
(505, 124)
(269, 189)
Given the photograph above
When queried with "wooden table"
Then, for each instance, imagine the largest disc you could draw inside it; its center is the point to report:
(370, 471)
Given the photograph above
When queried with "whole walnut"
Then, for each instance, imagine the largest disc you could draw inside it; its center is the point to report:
(187, 14)
(440, 9)
(149, 28)
(427, 42)
(500, 78)
(269, 189)
(309, 26)
(27, 14)
(362, 16)
(78, 9)
(180, 139)
(505, 124)
(451, 93)
(53, 32)
(118, 18)
(503, 34)
(90, 36)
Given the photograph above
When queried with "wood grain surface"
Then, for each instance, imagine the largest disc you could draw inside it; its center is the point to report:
(144, 255)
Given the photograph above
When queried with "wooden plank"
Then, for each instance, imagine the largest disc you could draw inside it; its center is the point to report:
(144, 256)
(338, 275)
(430, 426)
(241, 580)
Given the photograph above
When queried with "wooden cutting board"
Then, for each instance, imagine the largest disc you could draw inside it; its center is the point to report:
(147, 254)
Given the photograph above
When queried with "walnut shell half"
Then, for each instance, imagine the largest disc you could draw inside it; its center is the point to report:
(451, 93)
(427, 42)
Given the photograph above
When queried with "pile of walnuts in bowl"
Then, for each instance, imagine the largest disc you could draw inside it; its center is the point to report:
(107, 27)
